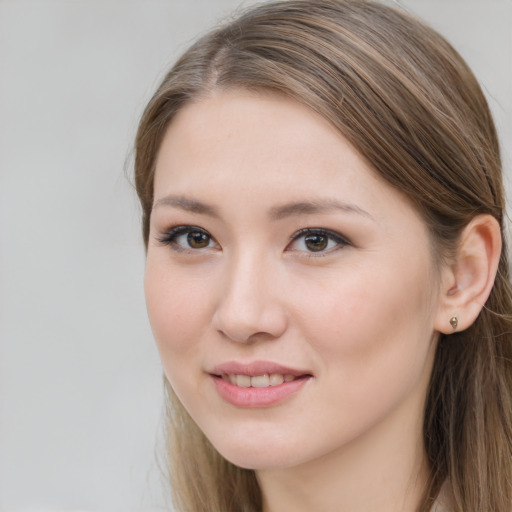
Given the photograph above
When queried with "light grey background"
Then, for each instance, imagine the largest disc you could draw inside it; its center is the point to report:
(80, 380)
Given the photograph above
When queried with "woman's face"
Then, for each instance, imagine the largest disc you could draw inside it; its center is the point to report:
(291, 291)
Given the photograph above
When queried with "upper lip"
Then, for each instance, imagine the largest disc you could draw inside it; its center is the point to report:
(255, 368)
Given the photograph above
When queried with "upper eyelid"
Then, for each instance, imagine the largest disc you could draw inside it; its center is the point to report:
(170, 234)
(340, 241)
(327, 232)
(167, 229)
(183, 228)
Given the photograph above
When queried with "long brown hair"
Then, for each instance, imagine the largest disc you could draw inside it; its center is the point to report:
(408, 102)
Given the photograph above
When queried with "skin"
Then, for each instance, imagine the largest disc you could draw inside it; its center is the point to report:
(359, 316)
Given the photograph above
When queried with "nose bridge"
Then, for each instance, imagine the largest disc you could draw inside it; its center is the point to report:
(249, 304)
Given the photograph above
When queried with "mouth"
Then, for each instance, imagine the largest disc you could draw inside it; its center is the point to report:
(257, 384)
(259, 381)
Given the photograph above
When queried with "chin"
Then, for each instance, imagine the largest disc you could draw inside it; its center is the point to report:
(257, 459)
(260, 453)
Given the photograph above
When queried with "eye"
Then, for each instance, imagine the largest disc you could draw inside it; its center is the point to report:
(188, 238)
(317, 240)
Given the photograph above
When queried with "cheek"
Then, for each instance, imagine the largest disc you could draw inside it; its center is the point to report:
(175, 308)
(368, 322)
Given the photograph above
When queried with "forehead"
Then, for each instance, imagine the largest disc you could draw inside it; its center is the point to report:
(254, 136)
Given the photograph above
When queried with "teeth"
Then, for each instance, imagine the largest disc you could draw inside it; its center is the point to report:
(258, 381)
(276, 379)
(243, 381)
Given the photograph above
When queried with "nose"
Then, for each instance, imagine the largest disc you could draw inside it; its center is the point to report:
(250, 308)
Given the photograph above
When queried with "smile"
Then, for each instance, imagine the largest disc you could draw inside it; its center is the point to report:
(257, 381)
(257, 384)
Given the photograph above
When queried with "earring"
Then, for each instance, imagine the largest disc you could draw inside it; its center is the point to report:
(454, 322)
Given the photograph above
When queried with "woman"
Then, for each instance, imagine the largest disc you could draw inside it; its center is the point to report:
(327, 276)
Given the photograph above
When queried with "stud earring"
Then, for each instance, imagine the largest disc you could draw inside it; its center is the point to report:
(454, 322)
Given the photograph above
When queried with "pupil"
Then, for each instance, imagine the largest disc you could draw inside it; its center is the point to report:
(198, 240)
(316, 242)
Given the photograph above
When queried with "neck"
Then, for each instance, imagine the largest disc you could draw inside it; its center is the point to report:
(384, 470)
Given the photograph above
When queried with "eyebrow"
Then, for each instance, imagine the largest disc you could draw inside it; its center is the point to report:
(187, 204)
(315, 207)
(276, 213)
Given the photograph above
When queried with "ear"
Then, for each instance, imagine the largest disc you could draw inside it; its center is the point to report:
(467, 282)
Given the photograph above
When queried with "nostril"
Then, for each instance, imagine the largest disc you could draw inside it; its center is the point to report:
(241, 337)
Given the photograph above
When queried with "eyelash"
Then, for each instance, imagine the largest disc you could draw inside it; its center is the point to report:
(329, 235)
(171, 236)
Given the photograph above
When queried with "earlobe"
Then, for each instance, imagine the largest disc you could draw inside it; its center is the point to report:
(467, 283)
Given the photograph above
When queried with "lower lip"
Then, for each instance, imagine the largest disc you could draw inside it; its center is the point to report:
(257, 397)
